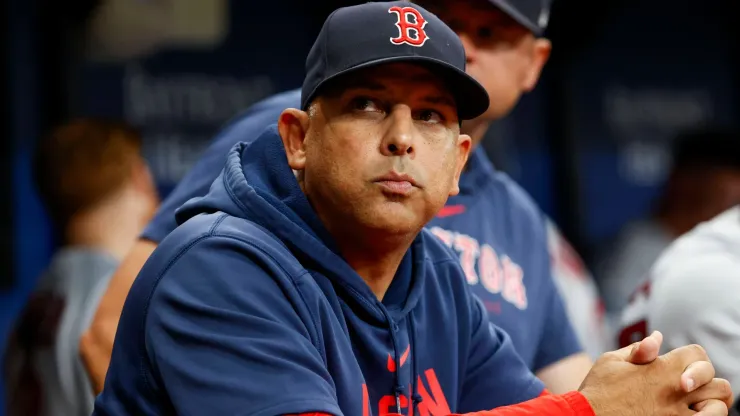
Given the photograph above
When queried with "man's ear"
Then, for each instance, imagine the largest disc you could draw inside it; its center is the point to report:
(293, 126)
(464, 145)
(540, 54)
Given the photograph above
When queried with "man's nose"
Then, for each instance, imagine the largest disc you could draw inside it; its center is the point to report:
(399, 137)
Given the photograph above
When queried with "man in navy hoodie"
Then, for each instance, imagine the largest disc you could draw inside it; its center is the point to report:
(303, 282)
(499, 233)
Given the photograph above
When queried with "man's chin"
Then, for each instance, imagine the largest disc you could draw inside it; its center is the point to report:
(495, 112)
(394, 221)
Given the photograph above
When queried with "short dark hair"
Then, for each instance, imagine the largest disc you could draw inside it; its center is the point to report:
(82, 162)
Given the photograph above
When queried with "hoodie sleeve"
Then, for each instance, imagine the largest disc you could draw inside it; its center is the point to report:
(224, 337)
(495, 375)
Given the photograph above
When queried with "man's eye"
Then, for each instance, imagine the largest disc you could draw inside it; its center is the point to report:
(364, 104)
(430, 116)
(484, 33)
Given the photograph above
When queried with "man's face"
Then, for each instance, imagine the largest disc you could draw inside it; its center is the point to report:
(382, 150)
(503, 55)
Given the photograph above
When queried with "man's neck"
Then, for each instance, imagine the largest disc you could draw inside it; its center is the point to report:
(375, 258)
(111, 227)
(373, 254)
(678, 222)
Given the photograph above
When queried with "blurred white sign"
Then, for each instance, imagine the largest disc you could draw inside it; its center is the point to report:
(124, 29)
(179, 114)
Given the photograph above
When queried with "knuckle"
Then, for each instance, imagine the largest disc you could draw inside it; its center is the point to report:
(697, 350)
(715, 407)
(606, 357)
(703, 367)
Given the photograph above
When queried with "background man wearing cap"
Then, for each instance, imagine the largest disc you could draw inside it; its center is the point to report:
(304, 281)
(506, 57)
(506, 52)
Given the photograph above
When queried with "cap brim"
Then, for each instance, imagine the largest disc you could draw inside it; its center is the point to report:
(470, 97)
(515, 14)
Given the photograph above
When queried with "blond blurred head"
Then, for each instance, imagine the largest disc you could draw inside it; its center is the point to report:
(93, 181)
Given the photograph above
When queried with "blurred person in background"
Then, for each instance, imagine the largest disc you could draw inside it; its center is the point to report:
(99, 193)
(506, 52)
(692, 294)
(499, 233)
(704, 181)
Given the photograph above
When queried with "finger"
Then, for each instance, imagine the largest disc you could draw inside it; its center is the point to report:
(711, 408)
(684, 356)
(639, 352)
(717, 389)
(696, 375)
(647, 350)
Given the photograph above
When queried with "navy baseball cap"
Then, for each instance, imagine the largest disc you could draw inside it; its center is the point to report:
(532, 14)
(376, 33)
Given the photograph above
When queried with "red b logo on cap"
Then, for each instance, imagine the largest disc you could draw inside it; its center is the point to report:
(410, 33)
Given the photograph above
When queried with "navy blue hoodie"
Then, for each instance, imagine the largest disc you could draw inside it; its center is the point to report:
(497, 230)
(247, 308)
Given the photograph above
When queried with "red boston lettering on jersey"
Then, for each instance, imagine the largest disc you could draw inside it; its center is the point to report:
(514, 290)
(447, 237)
(491, 274)
(469, 251)
(498, 274)
(411, 32)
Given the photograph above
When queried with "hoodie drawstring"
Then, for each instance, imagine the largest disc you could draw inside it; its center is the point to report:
(415, 396)
(399, 389)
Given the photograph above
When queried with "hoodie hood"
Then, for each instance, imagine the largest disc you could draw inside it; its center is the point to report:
(258, 185)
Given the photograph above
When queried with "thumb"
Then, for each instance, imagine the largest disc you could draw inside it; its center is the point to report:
(647, 350)
(642, 352)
